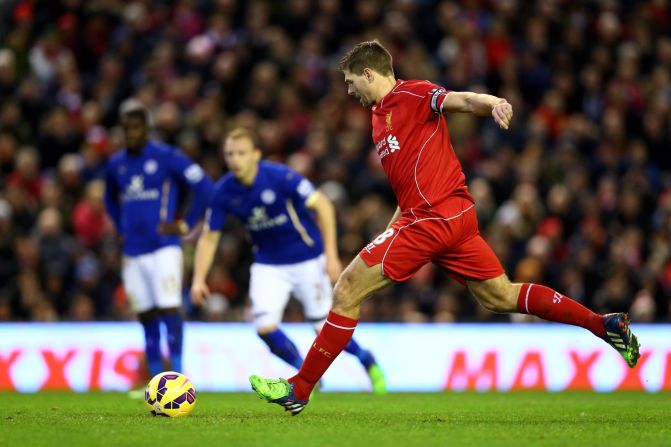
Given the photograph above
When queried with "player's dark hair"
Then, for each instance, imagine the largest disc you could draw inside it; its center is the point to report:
(134, 108)
(140, 114)
(370, 54)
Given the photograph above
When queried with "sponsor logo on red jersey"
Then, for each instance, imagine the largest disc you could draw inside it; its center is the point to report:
(387, 146)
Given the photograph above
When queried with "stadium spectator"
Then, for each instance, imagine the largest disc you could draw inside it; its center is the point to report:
(88, 217)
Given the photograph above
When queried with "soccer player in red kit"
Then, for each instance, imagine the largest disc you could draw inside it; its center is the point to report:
(435, 222)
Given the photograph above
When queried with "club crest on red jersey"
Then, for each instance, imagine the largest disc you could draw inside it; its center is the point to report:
(388, 120)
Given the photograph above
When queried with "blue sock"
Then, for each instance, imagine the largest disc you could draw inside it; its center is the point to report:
(174, 325)
(152, 345)
(364, 356)
(281, 346)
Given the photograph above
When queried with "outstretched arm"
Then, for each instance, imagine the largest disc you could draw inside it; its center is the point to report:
(479, 104)
(205, 250)
(326, 222)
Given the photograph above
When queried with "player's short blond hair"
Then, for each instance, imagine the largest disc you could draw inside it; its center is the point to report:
(370, 54)
(242, 133)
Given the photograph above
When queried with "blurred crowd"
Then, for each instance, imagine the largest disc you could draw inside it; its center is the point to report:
(576, 195)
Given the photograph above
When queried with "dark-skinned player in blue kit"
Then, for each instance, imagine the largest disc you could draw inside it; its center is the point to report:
(143, 184)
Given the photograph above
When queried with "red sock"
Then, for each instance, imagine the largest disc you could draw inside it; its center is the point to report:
(544, 302)
(330, 342)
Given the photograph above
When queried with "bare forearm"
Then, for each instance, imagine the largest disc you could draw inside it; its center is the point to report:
(482, 104)
(205, 250)
(479, 104)
(326, 222)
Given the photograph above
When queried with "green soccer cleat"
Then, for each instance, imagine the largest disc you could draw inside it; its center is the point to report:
(620, 337)
(377, 381)
(278, 391)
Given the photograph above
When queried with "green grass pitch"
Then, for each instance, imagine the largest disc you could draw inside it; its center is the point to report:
(343, 419)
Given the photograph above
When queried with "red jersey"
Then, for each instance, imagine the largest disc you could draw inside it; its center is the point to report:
(413, 143)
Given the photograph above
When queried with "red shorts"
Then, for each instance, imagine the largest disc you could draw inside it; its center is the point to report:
(449, 239)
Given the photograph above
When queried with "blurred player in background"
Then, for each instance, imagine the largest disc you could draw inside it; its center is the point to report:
(141, 195)
(295, 251)
(435, 222)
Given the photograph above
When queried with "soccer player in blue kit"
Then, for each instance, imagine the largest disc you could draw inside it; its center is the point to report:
(141, 196)
(295, 251)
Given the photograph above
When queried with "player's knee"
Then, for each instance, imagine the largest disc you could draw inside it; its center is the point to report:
(148, 315)
(266, 329)
(170, 311)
